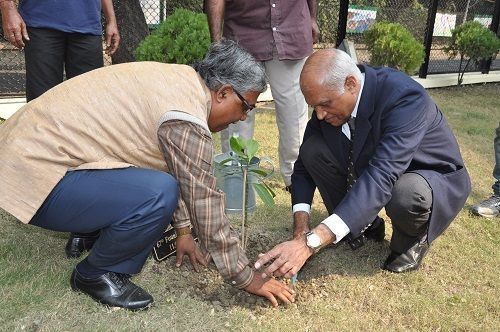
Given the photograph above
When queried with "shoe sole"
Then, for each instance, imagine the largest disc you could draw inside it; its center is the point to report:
(491, 215)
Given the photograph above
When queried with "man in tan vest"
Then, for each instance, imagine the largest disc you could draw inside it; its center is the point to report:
(125, 150)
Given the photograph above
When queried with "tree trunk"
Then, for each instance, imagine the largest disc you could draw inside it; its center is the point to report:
(133, 29)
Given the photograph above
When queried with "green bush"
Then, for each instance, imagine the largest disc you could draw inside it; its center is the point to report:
(182, 38)
(391, 44)
(472, 42)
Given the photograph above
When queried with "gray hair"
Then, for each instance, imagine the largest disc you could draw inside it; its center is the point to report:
(341, 66)
(227, 63)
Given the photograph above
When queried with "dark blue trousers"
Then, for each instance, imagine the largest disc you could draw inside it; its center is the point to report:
(131, 207)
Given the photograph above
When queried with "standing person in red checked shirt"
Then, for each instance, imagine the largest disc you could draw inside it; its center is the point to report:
(280, 34)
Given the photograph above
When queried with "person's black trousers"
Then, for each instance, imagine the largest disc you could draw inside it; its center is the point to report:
(409, 207)
(131, 207)
(49, 53)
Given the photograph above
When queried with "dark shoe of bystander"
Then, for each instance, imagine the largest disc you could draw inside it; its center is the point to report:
(488, 208)
(112, 289)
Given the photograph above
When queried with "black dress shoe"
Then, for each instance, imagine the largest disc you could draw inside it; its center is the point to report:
(409, 260)
(112, 289)
(80, 242)
(376, 231)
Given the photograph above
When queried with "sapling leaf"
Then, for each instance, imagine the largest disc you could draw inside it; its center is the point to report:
(264, 194)
(269, 189)
(223, 162)
(238, 146)
(251, 148)
(259, 172)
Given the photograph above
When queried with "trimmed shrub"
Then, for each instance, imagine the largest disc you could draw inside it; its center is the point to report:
(473, 42)
(391, 44)
(182, 38)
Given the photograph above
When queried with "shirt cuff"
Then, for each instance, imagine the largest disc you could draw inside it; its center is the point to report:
(181, 224)
(302, 207)
(243, 279)
(337, 226)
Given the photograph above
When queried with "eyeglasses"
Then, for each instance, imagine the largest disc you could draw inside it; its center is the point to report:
(247, 106)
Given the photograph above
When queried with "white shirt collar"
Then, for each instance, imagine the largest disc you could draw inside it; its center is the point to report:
(345, 126)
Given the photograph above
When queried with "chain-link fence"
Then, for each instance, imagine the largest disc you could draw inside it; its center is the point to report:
(414, 16)
(156, 11)
(361, 14)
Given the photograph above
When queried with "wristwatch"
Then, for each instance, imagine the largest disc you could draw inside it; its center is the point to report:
(313, 241)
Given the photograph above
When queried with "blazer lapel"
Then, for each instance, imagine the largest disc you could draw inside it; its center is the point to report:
(365, 109)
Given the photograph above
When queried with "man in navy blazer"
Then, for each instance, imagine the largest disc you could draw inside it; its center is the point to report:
(375, 139)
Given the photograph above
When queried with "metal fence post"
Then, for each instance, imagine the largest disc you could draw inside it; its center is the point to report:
(162, 11)
(342, 26)
(429, 30)
(493, 27)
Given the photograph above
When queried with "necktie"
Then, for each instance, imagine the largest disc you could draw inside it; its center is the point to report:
(351, 173)
(358, 242)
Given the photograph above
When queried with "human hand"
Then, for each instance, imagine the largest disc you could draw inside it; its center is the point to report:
(14, 28)
(271, 289)
(112, 38)
(315, 31)
(287, 258)
(186, 246)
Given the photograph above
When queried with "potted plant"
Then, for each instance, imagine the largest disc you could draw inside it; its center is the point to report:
(472, 42)
(240, 174)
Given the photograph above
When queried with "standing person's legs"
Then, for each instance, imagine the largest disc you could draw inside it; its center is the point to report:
(83, 54)
(131, 207)
(496, 169)
(244, 129)
(291, 110)
(409, 210)
(490, 207)
(44, 57)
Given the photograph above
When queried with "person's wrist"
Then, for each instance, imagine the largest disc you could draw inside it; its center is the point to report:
(303, 239)
(7, 5)
(183, 231)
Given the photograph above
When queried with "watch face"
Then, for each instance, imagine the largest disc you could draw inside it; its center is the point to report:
(313, 240)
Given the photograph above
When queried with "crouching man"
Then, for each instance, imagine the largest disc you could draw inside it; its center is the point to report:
(375, 139)
(125, 150)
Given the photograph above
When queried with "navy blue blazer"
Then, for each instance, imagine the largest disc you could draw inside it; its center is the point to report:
(399, 129)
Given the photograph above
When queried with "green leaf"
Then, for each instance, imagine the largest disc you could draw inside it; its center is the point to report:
(238, 146)
(269, 188)
(251, 148)
(260, 172)
(223, 162)
(264, 194)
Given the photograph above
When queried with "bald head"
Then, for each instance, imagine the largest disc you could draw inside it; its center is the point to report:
(329, 67)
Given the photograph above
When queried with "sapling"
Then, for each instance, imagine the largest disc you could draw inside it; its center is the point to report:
(243, 156)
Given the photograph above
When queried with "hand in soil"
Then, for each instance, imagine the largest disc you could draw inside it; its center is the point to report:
(287, 258)
(186, 246)
(271, 289)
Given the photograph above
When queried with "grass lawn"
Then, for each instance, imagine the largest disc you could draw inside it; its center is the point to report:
(457, 287)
